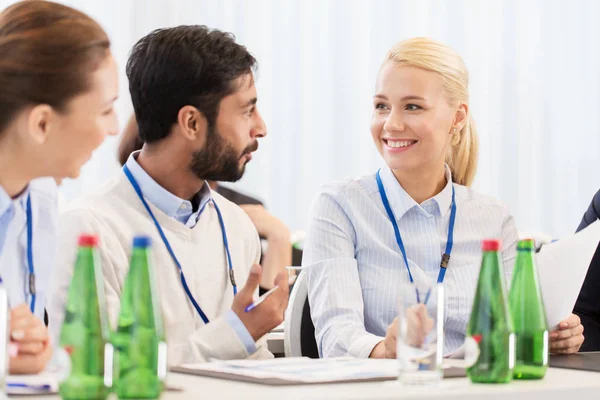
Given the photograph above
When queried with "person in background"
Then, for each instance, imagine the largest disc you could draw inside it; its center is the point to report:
(195, 103)
(368, 234)
(587, 306)
(58, 83)
(270, 228)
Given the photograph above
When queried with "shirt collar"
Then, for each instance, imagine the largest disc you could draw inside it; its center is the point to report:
(5, 201)
(401, 202)
(444, 198)
(164, 200)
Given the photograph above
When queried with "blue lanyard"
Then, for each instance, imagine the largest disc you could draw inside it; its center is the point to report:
(449, 243)
(30, 254)
(137, 189)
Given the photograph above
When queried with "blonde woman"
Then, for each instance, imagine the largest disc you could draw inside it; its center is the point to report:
(363, 232)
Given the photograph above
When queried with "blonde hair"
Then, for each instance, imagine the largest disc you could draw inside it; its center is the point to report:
(433, 56)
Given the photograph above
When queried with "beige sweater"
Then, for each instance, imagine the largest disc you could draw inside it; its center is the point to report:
(116, 214)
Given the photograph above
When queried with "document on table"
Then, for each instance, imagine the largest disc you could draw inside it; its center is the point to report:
(562, 267)
(297, 370)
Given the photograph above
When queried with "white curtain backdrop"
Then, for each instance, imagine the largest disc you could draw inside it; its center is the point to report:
(535, 92)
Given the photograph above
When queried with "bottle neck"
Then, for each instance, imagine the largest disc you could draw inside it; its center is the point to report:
(85, 256)
(524, 262)
(139, 257)
(491, 267)
(490, 259)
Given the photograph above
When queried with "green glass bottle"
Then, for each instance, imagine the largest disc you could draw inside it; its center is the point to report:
(140, 348)
(529, 316)
(85, 332)
(491, 324)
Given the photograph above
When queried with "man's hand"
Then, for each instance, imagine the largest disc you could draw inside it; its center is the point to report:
(30, 343)
(568, 338)
(270, 312)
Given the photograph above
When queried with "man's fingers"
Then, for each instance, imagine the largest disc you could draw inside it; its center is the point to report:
(568, 350)
(570, 322)
(252, 282)
(573, 341)
(566, 333)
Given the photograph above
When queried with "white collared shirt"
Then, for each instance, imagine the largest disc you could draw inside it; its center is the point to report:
(180, 209)
(354, 264)
(14, 265)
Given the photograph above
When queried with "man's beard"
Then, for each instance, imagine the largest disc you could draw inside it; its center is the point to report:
(218, 160)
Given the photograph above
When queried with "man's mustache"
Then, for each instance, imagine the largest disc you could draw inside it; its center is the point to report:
(251, 148)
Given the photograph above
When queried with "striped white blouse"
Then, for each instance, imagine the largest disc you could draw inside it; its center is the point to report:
(354, 265)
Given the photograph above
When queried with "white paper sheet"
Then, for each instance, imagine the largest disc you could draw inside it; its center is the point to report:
(304, 370)
(562, 267)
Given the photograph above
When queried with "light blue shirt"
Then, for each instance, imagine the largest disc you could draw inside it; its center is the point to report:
(175, 207)
(7, 213)
(14, 266)
(182, 210)
(354, 265)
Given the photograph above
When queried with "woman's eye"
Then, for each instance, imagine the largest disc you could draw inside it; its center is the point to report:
(412, 107)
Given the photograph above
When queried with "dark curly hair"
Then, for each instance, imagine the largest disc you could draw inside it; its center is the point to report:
(186, 65)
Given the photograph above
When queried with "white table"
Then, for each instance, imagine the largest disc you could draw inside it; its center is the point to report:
(560, 384)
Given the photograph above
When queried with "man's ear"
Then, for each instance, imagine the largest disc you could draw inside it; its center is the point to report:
(192, 123)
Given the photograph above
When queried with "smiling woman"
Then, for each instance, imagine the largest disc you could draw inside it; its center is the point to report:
(58, 82)
(428, 97)
(415, 220)
(374, 232)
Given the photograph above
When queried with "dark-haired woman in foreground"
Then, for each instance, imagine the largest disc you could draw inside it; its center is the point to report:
(58, 83)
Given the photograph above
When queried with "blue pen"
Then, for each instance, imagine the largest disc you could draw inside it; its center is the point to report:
(261, 299)
(27, 386)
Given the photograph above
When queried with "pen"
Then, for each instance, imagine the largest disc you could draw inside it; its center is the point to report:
(27, 386)
(293, 268)
(261, 299)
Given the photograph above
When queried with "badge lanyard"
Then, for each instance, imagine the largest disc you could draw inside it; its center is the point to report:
(449, 242)
(30, 254)
(137, 189)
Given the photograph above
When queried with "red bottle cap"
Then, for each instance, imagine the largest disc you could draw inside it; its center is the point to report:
(86, 240)
(491, 245)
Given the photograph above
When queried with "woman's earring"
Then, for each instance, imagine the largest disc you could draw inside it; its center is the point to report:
(455, 138)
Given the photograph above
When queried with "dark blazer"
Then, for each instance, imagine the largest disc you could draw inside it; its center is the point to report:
(587, 306)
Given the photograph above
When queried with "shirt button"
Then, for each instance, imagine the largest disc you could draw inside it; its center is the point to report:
(183, 206)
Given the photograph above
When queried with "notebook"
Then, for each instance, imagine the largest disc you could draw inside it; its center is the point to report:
(302, 370)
